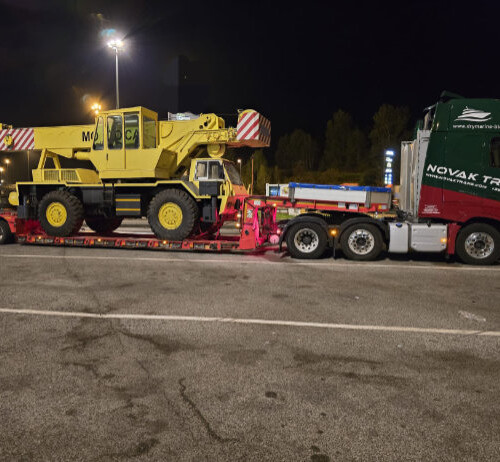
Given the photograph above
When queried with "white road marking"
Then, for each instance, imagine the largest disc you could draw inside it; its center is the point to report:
(267, 322)
(256, 260)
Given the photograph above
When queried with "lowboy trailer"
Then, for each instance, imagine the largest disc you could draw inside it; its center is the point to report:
(449, 202)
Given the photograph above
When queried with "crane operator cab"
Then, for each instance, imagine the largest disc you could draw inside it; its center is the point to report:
(220, 180)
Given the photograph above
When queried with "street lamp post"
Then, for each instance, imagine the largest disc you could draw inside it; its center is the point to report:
(1, 171)
(6, 162)
(116, 45)
(239, 163)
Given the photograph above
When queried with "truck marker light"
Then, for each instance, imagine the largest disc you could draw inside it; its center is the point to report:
(444, 240)
(333, 232)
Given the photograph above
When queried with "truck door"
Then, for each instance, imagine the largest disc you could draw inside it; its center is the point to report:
(464, 162)
(116, 148)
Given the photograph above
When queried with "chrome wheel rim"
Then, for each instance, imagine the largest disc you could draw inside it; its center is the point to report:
(479, 245)
(306, 240)
(361, 241)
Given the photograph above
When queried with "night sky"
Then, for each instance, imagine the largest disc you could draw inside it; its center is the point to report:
(297, 63)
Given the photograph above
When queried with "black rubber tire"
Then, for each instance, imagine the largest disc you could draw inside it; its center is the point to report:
(478, 228)
(297, 252)
(6, 235)
(103, 225)
(189, 210)
(378, 243)
(74, 212)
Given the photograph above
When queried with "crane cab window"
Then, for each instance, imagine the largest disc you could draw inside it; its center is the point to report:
(209, 170)
(201, 170)
(495, 153)
(99, 134)
(115, 136)
(131, 131)
(149, 132)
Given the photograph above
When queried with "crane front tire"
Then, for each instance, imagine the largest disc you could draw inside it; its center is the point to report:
(172, 214)
(6, 235)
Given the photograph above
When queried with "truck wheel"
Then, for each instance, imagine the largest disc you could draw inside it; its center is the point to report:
(5, 233)
(103, 225)
(478, 244)
(172, 214)
(60, 213)
(306, 240)
(362, 242)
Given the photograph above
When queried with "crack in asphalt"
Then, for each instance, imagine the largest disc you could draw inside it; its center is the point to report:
(211, 432)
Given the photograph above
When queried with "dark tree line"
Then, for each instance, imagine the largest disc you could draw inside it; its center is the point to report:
(346, 154)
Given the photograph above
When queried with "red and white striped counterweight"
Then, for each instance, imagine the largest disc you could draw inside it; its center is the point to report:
(17, 139)
(253, 129)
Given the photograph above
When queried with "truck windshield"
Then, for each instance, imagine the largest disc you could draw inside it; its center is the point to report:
(232, 173)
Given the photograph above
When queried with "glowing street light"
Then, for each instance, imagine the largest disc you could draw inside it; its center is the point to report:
(239, 162)
(116, 44)
(7, 161)
(96, 108)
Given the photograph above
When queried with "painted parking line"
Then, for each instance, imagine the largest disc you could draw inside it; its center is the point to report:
(249, 259)
(250, 321)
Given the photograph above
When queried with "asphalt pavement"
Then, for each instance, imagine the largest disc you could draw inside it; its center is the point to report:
(128, 355)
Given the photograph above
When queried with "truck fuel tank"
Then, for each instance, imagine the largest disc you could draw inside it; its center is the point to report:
(419, 237)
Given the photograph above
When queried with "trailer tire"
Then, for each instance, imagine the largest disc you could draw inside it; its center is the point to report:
(103, 225)
(6, 235)
(478, 244)
(361, 242)
(306, 240)
(60, 213)
(172, 214)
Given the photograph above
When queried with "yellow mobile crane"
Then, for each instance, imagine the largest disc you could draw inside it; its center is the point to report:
(170, 171)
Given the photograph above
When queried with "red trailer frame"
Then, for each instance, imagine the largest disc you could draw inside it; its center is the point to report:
(259, 229)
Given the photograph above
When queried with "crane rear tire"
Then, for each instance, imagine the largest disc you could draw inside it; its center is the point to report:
(60, 213)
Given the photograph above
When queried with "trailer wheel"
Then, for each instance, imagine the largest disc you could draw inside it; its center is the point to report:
(478, 244)
(6, 235)
(362, 242)
(103, 225)
(172, 214)
(60, 213)
(306, 240)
